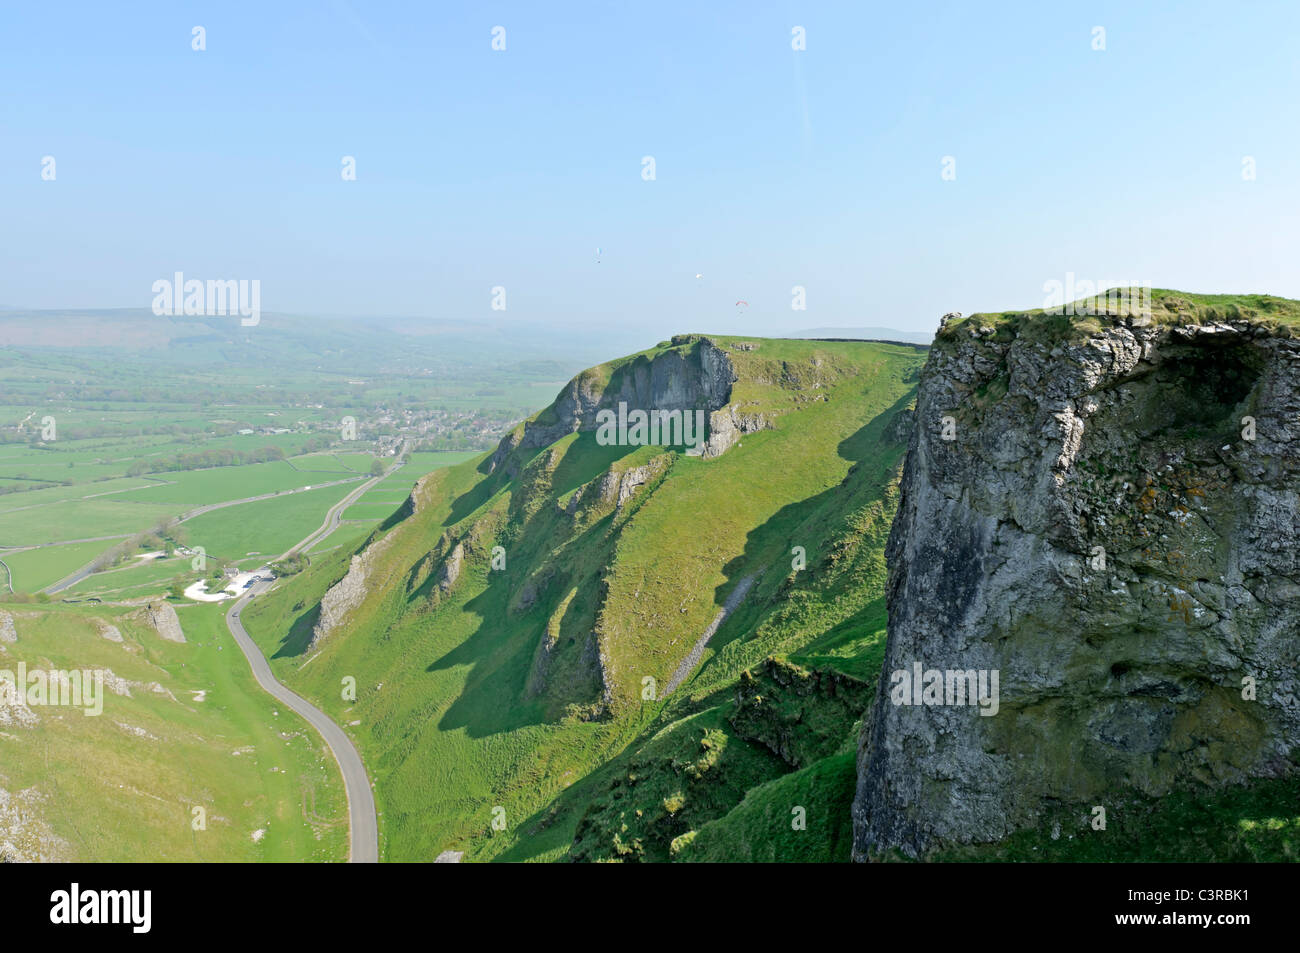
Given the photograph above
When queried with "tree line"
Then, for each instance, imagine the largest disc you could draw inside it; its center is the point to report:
(206, 459)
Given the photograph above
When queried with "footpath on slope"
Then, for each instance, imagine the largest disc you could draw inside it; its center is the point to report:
(688, 664)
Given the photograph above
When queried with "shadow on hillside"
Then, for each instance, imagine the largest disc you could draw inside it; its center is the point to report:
(485, 489)
(874, 456)
(585, 460)
(297, 639)
(501, 650)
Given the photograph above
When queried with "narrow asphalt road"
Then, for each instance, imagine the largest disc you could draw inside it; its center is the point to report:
(362, 821)
(364, 826)
(335, 515)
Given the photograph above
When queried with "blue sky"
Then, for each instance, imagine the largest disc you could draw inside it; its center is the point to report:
(774, 168)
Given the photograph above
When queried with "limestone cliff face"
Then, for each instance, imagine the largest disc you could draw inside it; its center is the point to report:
(695, 379)
(348, 593)
(1099, 532)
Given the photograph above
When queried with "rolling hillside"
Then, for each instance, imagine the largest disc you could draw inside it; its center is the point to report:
(573, 649)
(185, 759)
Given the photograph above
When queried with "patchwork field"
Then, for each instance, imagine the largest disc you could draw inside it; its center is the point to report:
(264, 528)
(34, 569)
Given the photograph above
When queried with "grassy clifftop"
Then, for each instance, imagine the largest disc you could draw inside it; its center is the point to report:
(1088, 315)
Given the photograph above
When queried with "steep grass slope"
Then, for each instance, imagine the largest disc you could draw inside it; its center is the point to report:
(568, 648)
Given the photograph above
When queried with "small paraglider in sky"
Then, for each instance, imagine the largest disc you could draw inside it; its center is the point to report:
(598, 256)
(698, 277)
(742, 305)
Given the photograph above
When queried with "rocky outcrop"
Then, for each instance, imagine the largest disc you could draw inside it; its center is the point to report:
(1087, 516)
(348, 593)
(727, 426)
(162, 618)
(613, 490)
(414, 501)
(694, 374)
(621, 486)
(107, 630)
(14, 710)
(450, 571)
(25, 837)
(7, 631)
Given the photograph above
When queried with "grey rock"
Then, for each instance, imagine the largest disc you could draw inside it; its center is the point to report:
(1117, 679)
(162, 618)
(680, 379)
(348, 593)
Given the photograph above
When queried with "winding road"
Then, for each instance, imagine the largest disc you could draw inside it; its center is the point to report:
(362, 821)
(363, 847)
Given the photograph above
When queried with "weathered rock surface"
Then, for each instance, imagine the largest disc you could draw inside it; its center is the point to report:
(14, 710)
(107, 631)
(162, 618)
(25, 837)
(451, 568)
(1098, 531)
(346, 594)
(727, 426)
(8, 633)
(673, 380)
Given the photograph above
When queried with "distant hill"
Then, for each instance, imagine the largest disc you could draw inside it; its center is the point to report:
(329, 343)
